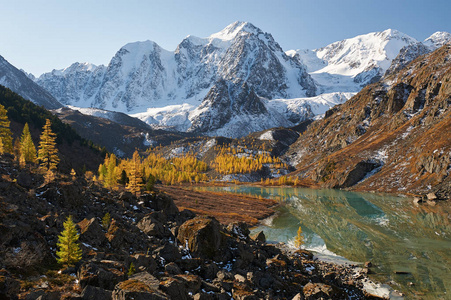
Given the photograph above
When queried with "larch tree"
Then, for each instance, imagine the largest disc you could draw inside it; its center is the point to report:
(69, 252)
(47, 153)
(135, 178)
(27, 147)
(5, 132)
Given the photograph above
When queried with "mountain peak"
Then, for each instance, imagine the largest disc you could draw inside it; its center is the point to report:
(232, 30)
(437, 39)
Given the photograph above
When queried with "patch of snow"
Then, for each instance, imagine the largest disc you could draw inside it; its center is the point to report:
(267, 136)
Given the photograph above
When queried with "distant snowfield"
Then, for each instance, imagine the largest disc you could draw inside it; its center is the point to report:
(179, 117)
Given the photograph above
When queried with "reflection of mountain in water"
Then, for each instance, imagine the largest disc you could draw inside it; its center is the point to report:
(389, 231)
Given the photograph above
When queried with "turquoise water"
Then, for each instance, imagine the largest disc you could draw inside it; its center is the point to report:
(391, 232)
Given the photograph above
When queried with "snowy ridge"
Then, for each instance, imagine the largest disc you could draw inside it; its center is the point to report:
(348, 65)
(22, 84)
(280, 112)
(437, 40)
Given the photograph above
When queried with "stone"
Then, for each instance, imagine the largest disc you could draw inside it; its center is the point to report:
(141, 286)
(431, 202)
(203, 236)
(192, 282)
(368, 264)
(172, 268)
(9, 287)
(95, 293)
(239, 229)
(431, 196)
(91, 232)
(321, 290)
(24, 179)
(259, 237)
(298, 297)
(417, 200)
(143, 262)
(203, 296)
(160, 202)
(304, 254)
(151, 226)
(104, 274)
(169, 252)
(174, 288)
(240, 278)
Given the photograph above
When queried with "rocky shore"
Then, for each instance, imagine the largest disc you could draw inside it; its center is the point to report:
(150, 250)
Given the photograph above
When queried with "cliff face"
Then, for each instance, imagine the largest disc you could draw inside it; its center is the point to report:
(393, 136)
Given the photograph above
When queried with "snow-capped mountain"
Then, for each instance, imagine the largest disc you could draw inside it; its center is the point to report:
(143, 75)
(20, 83)
(233, 82)
(350, 64)
(437, 40)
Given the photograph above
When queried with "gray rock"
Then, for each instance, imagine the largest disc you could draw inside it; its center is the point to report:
(259, 237)
(95, 293)
(151, 226)
(172, 268)
(202, 235)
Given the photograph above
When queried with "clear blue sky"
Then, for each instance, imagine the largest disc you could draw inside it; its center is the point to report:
(41, 35)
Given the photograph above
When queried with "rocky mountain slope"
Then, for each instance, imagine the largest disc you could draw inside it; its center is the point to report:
(393, 136)
(117, 132)
(20, 83)
(175, 254)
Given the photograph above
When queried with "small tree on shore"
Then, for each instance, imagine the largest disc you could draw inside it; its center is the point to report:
(69, 252)
(299, 239)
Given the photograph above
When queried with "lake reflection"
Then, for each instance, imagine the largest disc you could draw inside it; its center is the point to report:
(389, 231)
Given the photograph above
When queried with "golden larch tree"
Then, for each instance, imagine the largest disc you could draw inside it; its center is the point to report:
(5, 132)
(47, 153)
(27, 147)
(135, 178)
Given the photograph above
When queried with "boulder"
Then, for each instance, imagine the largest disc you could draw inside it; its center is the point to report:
(203, 236)
(104, 274)
(172, 269)
(239, 229)
(160, 202)
(174, 288)
(169, 252)
(141, 286)
(151, 226)
(95, 293)
(9, 287)
(417, 200)
(24, 179)
(321, 290)
(91, 232)
(259, 237)
(192, 282)
(143, 262)
(431, 196)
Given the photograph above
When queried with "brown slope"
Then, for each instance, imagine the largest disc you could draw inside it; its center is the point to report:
(399, 128)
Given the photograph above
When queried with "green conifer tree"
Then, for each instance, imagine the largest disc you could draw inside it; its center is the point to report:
(47, 153)
(27, 147)
(5, 132)
(69, 252)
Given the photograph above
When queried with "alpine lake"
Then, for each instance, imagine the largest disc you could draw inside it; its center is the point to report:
(408, 245)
